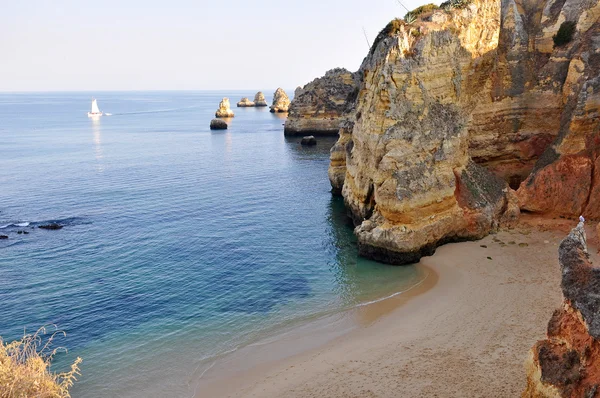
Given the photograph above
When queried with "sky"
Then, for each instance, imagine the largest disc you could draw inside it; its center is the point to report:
(76, 45)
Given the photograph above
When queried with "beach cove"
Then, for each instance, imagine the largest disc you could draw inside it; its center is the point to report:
(464, 332)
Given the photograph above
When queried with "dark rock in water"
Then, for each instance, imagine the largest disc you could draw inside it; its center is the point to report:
(218, 124)
(309, 140)
(52, 226)
(19, 232)
(26, 232)
(3, 237)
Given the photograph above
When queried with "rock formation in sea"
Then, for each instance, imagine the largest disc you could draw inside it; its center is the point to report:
(259, 100)
(567, 362)
(309, 140)
(224, 110)
(317, 108)
(457, 106)
(51, 226)
(218, 124)
(281, 102)
(245, 103)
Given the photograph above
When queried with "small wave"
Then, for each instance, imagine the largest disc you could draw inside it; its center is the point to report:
(16, 224)
(68, 221)
(391, 295)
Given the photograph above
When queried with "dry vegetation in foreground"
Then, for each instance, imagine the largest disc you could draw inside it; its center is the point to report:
(25, 368)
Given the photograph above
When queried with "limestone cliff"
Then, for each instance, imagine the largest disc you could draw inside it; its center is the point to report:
(281, 101)
(566, 179)
(567, 363)
(410, 184)
(318, 107)
(479, 90)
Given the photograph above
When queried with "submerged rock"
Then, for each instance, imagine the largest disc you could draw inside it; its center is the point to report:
(218, 124)
(51, 226)
(318, 107)
(245, 103)
(281, 102)
(567, 362)
(224, 110)
(259, 100)
(309, 140)
(3, 237)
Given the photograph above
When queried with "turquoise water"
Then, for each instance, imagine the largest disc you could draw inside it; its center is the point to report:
(179, 244)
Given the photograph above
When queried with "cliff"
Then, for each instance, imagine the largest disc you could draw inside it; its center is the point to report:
(567, 363)
(318, 107)
(457, 106)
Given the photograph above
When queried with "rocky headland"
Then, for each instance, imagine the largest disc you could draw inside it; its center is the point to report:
(567, 362)
(465, 116)
(259, 100)
(318, 107)
(224, 110)
(281, 102)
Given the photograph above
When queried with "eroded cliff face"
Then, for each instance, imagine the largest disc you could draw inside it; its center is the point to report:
(566, 179)
(410, 183)
(478, 91)
(567, 363)
(318, 107)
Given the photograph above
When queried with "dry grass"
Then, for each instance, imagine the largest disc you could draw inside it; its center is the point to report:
(25, 368)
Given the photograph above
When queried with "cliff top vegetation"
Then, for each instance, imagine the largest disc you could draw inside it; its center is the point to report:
(25, 368)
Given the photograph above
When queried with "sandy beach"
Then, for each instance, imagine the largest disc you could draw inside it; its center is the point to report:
(465, 331)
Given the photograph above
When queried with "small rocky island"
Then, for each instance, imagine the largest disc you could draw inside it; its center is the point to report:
(245, 103)
(218, 124)
(259, 100)
(281, 102)
(224, 110)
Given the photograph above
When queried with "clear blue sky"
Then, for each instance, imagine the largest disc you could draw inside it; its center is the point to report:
(183, 44)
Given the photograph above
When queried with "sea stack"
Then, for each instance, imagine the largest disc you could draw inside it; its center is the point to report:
(218, 124)
(245, 103)
(567, 362)
(224, 110)
(259, 100)
(281, 102)
(318, 107)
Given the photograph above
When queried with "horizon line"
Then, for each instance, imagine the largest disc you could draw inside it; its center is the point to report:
(137, 90)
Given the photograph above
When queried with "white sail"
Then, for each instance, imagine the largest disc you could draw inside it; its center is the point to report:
(95, 107)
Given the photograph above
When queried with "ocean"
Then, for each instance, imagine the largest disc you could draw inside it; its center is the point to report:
(179, 244)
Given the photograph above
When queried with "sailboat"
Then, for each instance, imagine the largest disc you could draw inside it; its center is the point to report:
(95, 110)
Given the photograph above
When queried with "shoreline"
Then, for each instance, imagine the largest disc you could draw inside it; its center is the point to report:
(229, 370)
(466, 330)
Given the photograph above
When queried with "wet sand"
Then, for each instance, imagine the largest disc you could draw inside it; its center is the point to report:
(465, 331)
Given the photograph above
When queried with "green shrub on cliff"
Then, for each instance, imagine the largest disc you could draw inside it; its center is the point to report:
(452, 4)
(565, 33)
(419, 11)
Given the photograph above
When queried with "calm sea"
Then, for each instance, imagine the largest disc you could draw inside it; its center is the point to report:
(179, 244)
